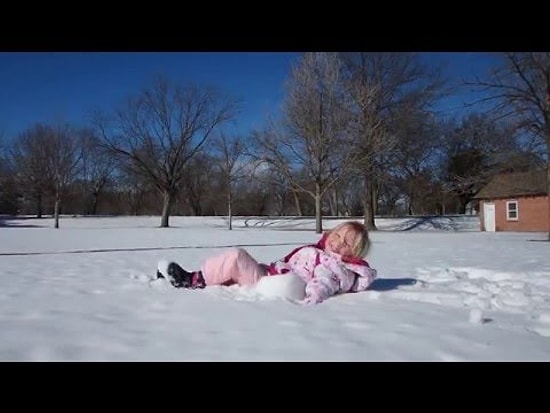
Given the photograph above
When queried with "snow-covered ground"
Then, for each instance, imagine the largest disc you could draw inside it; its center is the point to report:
(445, 291)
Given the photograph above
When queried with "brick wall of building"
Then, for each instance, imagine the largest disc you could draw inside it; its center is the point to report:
(532, 214)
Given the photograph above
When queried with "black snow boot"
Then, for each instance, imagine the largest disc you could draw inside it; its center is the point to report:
(180, 278)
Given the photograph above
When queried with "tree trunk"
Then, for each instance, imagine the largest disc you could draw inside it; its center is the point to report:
(374, 202)
(463, 202)
(229, 213)
(90, 207)
(39, 205)
(368, 210)
(166, 208)
(368, 217)
(56, 209)
(94, 203)
(334, 202)
(548, 184)
(318, 213)
(297, 203)
(548, 157)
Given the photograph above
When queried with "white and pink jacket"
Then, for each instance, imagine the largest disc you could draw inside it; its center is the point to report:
(325, 273)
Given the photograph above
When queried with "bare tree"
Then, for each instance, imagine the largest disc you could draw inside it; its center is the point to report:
(472, 149)
(8, 188)
(132, 190)
(200, 184)
(29, 154)
(161, 130)
(389, 194)
(64, 156)
(230, 152)
(313, 134)
(278, 181)
(519, 88)
(380, 84)
(279, 188)
(97, 167)
(414, 157)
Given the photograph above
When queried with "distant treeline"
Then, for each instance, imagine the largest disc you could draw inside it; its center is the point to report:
(357, 135)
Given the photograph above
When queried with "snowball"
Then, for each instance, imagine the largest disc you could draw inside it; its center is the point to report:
(476, 316)
(286, 286)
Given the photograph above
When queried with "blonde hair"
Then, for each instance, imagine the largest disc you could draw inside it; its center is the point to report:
(362, 243)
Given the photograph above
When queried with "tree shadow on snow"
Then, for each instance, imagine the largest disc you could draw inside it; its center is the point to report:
(386, 284)
(430, 221)
(9, 221)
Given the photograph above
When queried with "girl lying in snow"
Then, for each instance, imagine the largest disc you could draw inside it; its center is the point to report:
(333, 265)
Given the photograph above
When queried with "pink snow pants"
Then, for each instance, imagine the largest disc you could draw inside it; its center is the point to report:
(233, 266)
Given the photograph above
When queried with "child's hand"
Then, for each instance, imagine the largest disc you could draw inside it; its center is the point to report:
(311, 300)
(280, 267)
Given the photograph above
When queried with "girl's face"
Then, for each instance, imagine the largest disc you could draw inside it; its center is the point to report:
(342, 241)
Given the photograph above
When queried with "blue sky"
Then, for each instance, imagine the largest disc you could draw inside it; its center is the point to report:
(45, 86)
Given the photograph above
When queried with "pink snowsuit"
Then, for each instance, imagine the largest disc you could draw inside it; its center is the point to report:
(325, 273)
(233, 266)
